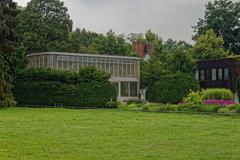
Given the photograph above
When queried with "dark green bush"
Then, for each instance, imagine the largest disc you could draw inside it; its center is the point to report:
(217, 93)
(88, 88)
(171, 89)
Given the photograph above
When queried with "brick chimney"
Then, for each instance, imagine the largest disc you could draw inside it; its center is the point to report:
(143, 49)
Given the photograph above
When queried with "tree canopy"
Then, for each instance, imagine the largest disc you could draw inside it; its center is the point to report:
(208, 46)
(222, 16)
(8, 40)
(44, 25)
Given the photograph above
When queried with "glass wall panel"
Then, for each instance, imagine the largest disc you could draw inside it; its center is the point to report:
(202, 75)
(197, 75)
(220, 73)
(128, 70)
(214, 74)
(124, 89)
(133, 89)
(226, 73)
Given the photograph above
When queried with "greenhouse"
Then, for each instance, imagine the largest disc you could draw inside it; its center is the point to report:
(125, 71)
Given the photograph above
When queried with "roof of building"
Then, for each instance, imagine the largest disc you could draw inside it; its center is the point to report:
(82, 54)
(235, 57)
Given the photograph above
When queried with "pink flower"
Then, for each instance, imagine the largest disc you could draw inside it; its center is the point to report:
(219, 102)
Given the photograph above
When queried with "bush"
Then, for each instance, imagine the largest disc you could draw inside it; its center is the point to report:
(234, 108)
(209, 108)
(217, 93)
(112, 104)
(150, 106)
(122, 105)
(194, 98)
(188, 107)
(171, 89)
(168, 107)
(135, 101)
(56, 88)
(224, 110)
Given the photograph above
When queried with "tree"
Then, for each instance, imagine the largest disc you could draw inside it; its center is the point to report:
(208, 46)
(8, 40)
(223, 17)
(44, 25)
(112, 44)
(151, 37)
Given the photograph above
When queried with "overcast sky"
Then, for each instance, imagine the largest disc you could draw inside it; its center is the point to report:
(168, 18)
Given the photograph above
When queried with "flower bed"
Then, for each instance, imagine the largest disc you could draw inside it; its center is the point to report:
(219, 102)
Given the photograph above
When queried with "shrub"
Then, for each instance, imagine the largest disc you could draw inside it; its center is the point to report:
(218, 93)
(150, 106)
(134, 106)
(194, 98)
(57, 88)
(188, 107)
(171, 89)
(112, 104)
(209, 108)
(168, 107)
(122, 105)
(136, 101)
(224, 110)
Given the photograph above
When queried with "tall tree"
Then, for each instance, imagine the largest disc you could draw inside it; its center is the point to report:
(112, 44)
(208, 46)
(44, 24)
(223, 16)
(8, 38)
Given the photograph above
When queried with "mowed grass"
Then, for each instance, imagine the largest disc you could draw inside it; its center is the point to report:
(65, 134)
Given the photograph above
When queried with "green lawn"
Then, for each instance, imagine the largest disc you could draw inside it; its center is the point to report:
(34, 134)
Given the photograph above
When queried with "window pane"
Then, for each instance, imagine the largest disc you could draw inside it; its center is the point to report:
(197, 75)
(124, 89)
(133, 89)
(208, 74)
(214, 74)
(202, 75)
(226, 73)
(220, 74)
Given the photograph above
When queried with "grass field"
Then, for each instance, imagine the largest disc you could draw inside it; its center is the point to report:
(46, 134)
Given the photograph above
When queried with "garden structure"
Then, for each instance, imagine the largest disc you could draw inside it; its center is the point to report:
(219, 73)
(125, 71)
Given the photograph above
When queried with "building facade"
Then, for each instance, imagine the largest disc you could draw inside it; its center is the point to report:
(124, 71)
(219, 73)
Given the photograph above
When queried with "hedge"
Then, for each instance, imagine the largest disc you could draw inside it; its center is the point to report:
(39, 87)
(171, 88)
(218, 93)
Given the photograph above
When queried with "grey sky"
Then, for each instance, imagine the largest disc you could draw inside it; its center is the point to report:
(168, 18)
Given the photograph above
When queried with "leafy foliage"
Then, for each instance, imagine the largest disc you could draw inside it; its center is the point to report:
(8, 40)
(44, 25)
(87, 88)
(208, 46)
(171, 88)
(217, 93)
(223, 17)
(194, 98)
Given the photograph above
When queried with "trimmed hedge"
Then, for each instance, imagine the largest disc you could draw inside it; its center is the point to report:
(87, 88)
(171, 88)
(218, 93)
